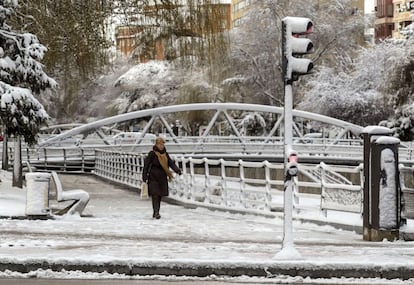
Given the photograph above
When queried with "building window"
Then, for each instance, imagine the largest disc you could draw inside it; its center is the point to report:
(237, 22)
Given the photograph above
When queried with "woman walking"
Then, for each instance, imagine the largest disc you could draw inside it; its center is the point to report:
(157, 174)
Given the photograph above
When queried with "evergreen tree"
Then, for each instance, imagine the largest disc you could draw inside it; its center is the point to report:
(21, 77)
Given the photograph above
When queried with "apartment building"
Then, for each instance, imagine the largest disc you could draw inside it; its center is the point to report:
(125, 39)
(358, 6)
(392, 16)
(403, 16)
(384, 23)
(239, 10)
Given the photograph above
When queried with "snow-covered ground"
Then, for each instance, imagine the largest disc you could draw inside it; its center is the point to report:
(118, 228)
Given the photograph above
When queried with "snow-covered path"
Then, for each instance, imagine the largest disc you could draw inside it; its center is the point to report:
(119, 228)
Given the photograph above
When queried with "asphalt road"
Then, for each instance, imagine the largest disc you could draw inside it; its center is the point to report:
(155, 282)
(110, 282)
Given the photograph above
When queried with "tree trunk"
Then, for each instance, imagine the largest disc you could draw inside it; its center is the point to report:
(17, 164)
(5, 154)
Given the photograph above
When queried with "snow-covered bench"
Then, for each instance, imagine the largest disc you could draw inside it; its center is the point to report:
(79, 197)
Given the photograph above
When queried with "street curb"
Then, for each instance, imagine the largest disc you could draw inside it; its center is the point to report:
(203, 269)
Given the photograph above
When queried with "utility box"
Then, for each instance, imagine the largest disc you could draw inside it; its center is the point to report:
(382, 198)
(37, 195)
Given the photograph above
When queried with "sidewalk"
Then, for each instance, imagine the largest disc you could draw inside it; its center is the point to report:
(119, 236)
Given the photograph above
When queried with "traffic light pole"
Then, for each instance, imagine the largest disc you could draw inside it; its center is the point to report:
(292, 67)
(288, 191)
(288, 248)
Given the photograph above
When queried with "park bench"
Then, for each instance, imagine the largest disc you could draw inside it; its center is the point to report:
(79, 198)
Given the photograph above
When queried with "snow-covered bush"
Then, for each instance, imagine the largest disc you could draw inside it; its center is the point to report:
(402, 124)
(252, 124)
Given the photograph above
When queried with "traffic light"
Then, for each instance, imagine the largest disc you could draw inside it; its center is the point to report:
(293, 45)
(292, 168)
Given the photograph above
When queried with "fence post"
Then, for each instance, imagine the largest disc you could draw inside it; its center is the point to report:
(192, 179)
(83, 159)
(64, 159)
(268, 199)
(242, 184)
(223, 182)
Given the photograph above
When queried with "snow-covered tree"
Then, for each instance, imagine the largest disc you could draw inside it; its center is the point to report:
(21, 76)
(255, 63)
(144, 85)
(369, 89)
(344, 96)
(78, 35)
(162, 83)
(399, 88)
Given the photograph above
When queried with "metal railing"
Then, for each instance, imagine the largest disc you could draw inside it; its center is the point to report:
(238, 184)
(80, 158)
(120, 167)
(407, 191)
(339, 193)
(235, 184)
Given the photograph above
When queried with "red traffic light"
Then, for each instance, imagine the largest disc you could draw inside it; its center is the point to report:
(293, 157)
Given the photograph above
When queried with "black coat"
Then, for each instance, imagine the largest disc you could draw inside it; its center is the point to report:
(157, 178)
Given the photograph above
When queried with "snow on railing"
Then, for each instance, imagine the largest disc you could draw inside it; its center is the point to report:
(233, 184)
(407, 191)
(80, 158)
(121, 167)
(339, 193)
(238, 184)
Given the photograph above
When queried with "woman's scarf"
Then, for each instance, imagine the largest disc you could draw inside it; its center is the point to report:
(163, 159)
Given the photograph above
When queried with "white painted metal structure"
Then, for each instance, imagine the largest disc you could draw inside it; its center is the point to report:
(221, 112)
(252, 186)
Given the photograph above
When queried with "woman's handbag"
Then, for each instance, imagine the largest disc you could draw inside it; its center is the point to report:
(144, 185)
(144, 190)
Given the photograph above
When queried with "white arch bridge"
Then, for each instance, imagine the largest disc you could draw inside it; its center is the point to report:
(225, 159)
(226, 127)
(249, 131)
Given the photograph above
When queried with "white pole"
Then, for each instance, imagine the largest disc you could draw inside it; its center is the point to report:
(288, 248)
(288, 202)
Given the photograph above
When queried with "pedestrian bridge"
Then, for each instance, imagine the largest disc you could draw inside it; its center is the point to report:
(234, 160)
(231, 123)
(214, 130)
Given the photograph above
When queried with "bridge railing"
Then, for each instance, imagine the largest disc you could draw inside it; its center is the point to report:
(340, 193)
(238, 184)
(406, 151)
(74, 159)
(120, 167)
(81, 157)
(231, 184)
(407, 191)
